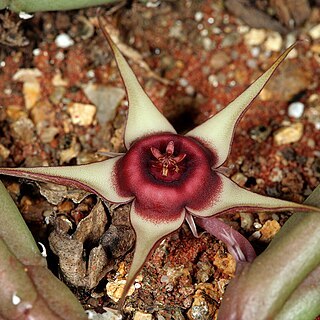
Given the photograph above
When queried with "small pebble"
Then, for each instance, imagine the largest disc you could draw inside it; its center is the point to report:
(230, 40)
(219, 60)
(25, 15)
(60, 55)
(257, 225)
(4, 152)
(276, 175)
(36, 52)
(198, 16)
(15, 299)
(31, 86)
(208, 44)
(260, 133)
(176, 30)
(137, 285)
(314, 32)
(108, 314)
(142, 316)
(255, 37)
(47, 134)
(256, 235)
(164, 279)
(183, 82)
(190, 90)
(243, 29)
(251, 63)
(246, 220)
(31, 92)
(296, 109)
(58, 81)
(269, 230)
(63, 40)
(290, 134)
(82, 114)
(315, 48)
(15, 112)
(105, 98)
(115, 289)
(239, 178)
(290, 39)
(274, 42)
(23, 130)
(202, 307)
(67, 154)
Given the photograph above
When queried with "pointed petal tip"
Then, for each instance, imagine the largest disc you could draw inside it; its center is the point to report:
(244, 200)
(148, 234)
(143, 118)
(97, 177)
(217, 132)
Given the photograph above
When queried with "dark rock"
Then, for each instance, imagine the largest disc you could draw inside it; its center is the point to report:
(118, 240)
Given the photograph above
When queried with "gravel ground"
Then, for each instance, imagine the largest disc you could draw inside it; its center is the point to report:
(62, 101)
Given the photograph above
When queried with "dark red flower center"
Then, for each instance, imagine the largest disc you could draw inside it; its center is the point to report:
(165, 173)
(167, 166)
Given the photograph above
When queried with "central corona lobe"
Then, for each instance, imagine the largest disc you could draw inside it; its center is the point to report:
(166, 173)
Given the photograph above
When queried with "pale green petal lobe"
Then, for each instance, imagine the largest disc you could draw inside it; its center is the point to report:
(217, 132)
(148, 234)
(143, 118)
(98, 177)
(233, 198)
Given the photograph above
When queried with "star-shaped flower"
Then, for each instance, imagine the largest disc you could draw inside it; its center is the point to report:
(165, 176)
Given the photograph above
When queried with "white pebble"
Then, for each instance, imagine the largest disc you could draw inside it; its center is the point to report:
(63, 40)
(44, 250)
(36, 52)
(256, 235)
(90, 314)
(15, 299)
(296, 109)
(255, 37)
(198, 16)
(25, 15)
(183, 82)
(164, 279)
(189, 90)
(315, 32)
(255, 51)
(274, 42)
(257, 225)
(82, 114)
(137, 285)
(251, 63)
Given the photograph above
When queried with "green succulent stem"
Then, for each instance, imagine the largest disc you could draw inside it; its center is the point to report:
(14, 232)
(284, 281)
(50, 5)
(26, 285)
(304, 302)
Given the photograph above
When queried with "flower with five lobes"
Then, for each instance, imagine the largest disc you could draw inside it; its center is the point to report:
(165, 176)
